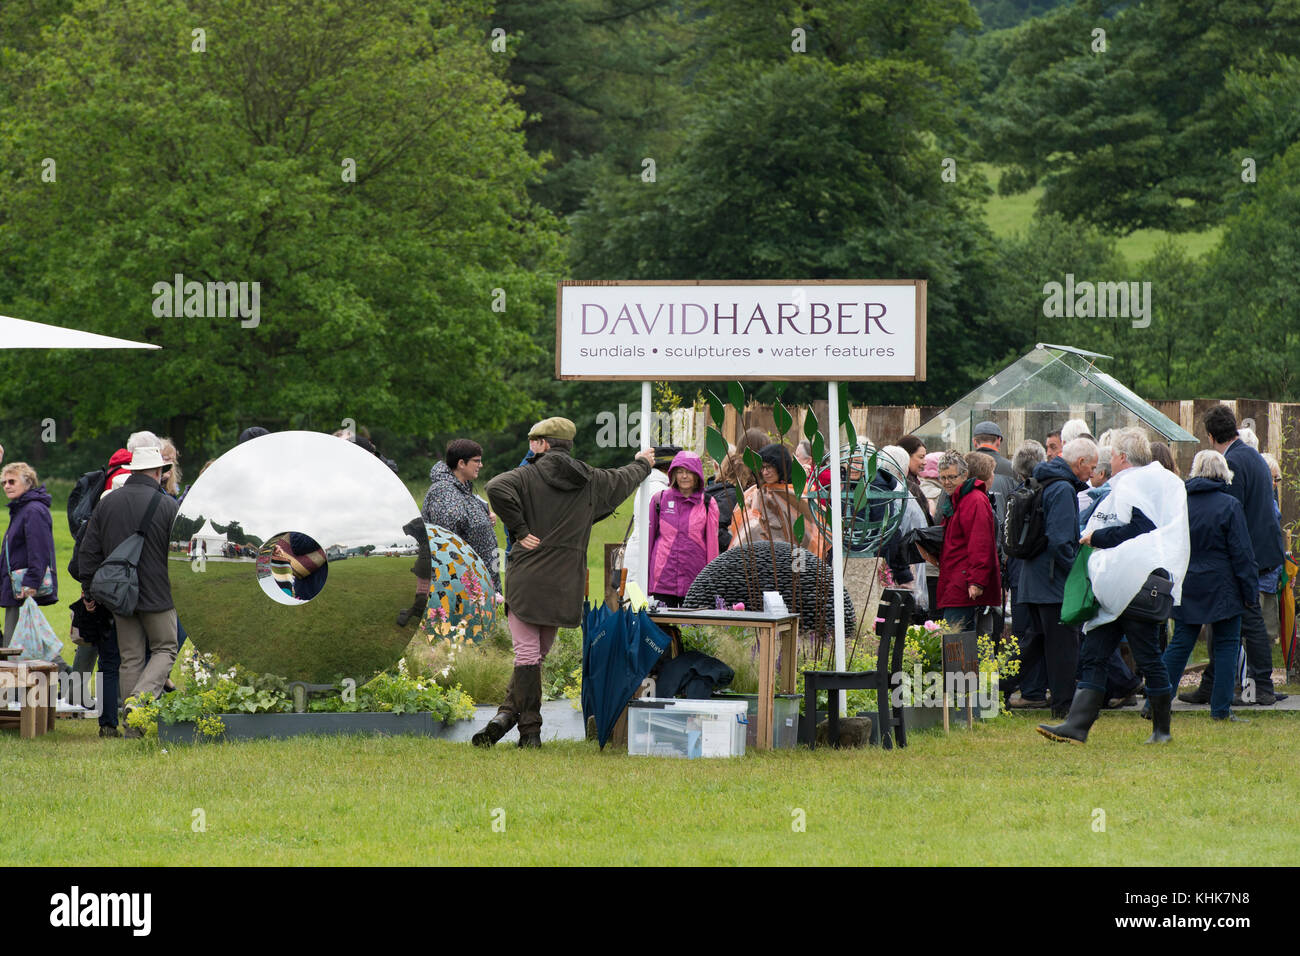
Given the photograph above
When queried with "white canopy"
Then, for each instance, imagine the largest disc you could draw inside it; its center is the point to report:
(210, 536)
(21, 334)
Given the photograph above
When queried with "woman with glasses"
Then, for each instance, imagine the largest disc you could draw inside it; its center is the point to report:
(969, 576)
(28, 543)
(451, 504)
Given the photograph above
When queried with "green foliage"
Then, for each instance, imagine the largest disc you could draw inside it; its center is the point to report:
(558, 667)
(1248, 331)
(207, 692)
(1150, 132)
(228, 165)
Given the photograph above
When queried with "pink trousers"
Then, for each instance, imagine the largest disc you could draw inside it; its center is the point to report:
(532, 641)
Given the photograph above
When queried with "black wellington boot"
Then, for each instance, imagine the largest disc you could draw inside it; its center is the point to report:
(1160, 719)
(416, 610)
(529, 691)
(505, 718)
(1083, 714)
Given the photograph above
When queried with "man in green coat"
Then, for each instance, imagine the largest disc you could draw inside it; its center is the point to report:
(548, 508)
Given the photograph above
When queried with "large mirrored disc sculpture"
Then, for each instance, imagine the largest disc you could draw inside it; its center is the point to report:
(295, 557)
(462, 602)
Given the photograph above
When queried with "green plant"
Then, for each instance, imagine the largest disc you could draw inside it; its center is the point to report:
(481, 670)
(208, 692)
(558, 667)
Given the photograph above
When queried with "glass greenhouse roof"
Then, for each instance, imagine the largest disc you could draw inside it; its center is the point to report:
(1037, 394)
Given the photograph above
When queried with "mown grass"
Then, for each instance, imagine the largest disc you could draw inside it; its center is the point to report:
(998, 795)
(1008, 215)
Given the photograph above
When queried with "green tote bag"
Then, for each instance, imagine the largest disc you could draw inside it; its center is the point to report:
(1079, 604)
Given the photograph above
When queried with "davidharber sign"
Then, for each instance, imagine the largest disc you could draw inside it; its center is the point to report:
(705, 330)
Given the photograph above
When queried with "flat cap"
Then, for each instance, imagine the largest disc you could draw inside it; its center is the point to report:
(554, 428)
(987, 428)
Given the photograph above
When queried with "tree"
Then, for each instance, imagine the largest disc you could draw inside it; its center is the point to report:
(1125, 113)
(818, 165)
(1247, 299)
(364, 166)
(598, 82)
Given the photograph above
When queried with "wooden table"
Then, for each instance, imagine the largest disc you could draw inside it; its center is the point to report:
(768, 627)
(37, 685)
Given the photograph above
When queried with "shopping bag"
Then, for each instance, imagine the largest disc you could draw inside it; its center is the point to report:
(1079, 604)
(34, 635)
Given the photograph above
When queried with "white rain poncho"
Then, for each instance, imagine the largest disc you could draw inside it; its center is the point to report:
(1118, 573)
(893, 459)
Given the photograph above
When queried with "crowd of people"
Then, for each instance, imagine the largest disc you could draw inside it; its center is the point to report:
(1011, 532)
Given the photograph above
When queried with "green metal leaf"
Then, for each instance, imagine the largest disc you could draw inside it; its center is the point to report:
(716, 444)
(846, 417)
(798, 478)
(810, 425)
(736, 394)
(818, 447)
(783, 418)
(753, 462)
(798, 528)
(716, 411)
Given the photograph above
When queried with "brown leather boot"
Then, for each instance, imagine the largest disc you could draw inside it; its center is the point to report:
(505, 718)
(529, 690)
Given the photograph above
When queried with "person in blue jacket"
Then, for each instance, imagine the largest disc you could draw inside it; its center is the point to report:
(1221, 578)
(1042, 577)
(1252, 485)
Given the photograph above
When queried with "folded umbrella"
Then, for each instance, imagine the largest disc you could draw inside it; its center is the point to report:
(619, 647)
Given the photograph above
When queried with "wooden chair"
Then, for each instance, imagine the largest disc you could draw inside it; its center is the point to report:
(896, 609)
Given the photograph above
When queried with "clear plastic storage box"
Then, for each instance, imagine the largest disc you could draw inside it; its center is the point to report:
(666, 727)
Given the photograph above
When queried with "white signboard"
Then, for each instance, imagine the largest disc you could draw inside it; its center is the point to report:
(829, 330)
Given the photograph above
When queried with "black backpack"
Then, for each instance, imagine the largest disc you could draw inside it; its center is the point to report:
(83, 498)
(1024, 533)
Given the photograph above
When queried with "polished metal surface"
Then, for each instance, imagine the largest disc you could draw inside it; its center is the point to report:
(285, 614)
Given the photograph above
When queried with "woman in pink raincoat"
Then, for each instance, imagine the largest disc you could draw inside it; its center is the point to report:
(683, 530)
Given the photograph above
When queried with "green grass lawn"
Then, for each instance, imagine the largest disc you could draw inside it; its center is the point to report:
(998, 795)
(1008, 215)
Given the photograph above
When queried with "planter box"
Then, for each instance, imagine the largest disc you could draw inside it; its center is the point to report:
(282, 726)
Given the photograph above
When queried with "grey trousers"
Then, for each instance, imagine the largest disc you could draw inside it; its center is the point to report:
(157, 629)
(11, 622)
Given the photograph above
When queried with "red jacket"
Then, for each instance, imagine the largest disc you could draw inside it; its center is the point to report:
(970, 554)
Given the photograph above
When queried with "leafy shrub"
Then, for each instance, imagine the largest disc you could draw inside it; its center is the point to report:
(208, 692)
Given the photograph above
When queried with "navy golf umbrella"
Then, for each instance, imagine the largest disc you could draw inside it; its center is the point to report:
(619, 647)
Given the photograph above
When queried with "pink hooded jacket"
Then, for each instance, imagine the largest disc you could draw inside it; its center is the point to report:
(683, 532)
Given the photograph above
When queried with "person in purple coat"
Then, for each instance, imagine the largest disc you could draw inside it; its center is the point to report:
(28, 542)
(683, 530)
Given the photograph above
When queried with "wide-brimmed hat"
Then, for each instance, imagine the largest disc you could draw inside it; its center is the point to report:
(147, 458)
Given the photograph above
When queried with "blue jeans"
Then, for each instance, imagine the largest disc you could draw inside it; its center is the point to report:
(1143, 640)
(961, 618)
(108, 686)
(1224, 645)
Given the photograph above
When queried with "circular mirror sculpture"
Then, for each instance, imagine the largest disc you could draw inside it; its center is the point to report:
(462, 602)
(294, 559)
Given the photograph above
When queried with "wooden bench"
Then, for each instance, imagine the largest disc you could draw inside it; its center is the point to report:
(36, 687)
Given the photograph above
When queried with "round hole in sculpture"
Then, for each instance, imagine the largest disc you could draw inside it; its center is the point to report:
(258, 533)
(292, 567)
